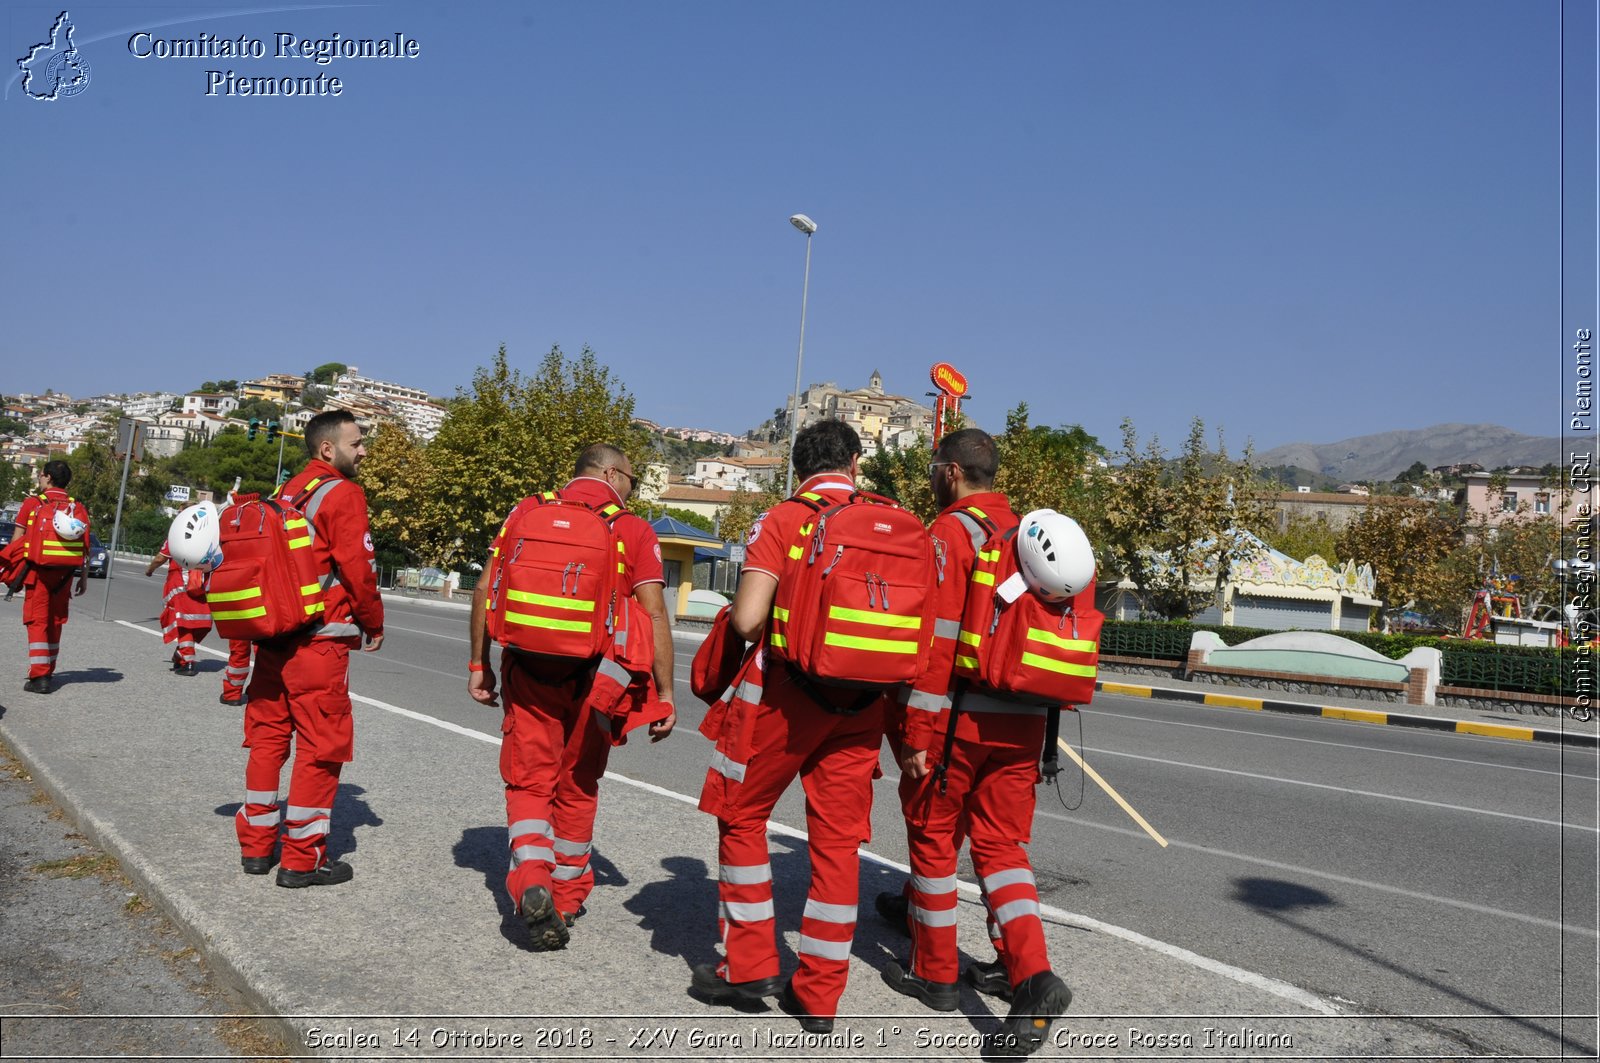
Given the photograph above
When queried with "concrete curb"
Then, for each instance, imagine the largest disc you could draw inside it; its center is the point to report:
(1336, 712)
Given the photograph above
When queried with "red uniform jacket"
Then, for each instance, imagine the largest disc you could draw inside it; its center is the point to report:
(343, 542)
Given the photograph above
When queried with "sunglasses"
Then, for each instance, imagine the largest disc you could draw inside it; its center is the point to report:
(633, 481)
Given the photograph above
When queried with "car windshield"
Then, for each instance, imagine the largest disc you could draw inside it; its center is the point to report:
(94, 541)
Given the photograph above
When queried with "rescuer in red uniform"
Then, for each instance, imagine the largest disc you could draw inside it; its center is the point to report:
(553, 751)
(300, 689)
(46, 574)
(185, 618)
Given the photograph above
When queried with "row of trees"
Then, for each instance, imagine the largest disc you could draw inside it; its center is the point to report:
(1174, 525)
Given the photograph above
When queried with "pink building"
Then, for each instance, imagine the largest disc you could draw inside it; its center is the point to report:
(1524, 490)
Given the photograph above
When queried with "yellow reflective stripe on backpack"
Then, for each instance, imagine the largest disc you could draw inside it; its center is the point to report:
(528, 620)
(779, 641)
(1050, 638)
(969, 638)
(966, 662)
(856, 642)
(233, 596)
(877, 619)
(240, 614)
(1050, 664)
(985, 578)
(578, 605)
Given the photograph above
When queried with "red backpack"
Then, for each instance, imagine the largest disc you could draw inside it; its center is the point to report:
(269, 583)
(553, 586)
(43, 547)
(855, 604)
(1014, 642)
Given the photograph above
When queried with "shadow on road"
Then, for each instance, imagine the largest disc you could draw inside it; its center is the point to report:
(86, 675)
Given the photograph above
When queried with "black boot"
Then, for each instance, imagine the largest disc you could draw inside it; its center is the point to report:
(990, 979)
(545, 924)
(331, 873)
(895, 910)
(940, 996)
(706, 982)
(808, 1022)
(1035, 1004)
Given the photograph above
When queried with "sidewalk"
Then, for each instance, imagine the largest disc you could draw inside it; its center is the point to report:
(421, 955)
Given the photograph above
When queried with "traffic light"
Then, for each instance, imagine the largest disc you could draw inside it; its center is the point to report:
(272, 431)
(254, 425)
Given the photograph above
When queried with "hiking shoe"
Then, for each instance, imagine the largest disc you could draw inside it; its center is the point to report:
(940, 996)
(331, 873)
(37, 685)
(572, 917)
(186, 669)
(707, 982)
(808, 1022)
(259, 865)
(232, 701)
(1036, 1003)
(894, 909)
(548, 929)
(990, 979)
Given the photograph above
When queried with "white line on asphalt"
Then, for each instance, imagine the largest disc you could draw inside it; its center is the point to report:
(1363, 748)
(1381, 887)
(1345, 790)
(419, 631)
(1283, 990)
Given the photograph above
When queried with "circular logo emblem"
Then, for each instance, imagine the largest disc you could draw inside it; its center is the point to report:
(755, 530)
(67, 73)
(367, 542)
(658, 551)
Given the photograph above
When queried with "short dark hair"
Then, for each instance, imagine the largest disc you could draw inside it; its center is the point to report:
(597, 457)
(60, 472)
(974, 451)
(326, 425)
(826, 446)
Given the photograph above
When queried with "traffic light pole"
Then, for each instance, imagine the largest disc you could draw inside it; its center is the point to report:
(116, 525)
(279, 477)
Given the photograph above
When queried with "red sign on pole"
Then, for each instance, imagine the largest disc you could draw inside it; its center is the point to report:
(952, 385)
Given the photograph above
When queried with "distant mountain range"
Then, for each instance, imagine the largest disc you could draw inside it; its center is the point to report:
(1387, 454)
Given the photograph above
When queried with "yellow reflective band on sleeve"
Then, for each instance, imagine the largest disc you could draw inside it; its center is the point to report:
(985, 578)
(233, 596)
(240, 614)
(867, 616)
(780, 614)
(779, 641)
(969, 638)
(1050, 638)
(577, 605)
(1051, 665)
(856, 642)
(543, 621)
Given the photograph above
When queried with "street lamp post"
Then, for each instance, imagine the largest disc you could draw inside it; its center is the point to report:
(807, 226)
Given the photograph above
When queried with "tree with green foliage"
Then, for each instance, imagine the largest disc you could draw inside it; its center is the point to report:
(326, 373)
(1304, 535)
(744, 508)
(16, 482)
(691, 518)
(396, 475)
(213, 465)
(901, 473)
(1409, 544)
(11, 426)
(262, 410)
(512, 435)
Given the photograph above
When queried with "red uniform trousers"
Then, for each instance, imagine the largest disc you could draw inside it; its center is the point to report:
(238, 670)
(300, 691)
(185, 619)
(44, 612)
(989, 794)
(553, 752)
(835, 757)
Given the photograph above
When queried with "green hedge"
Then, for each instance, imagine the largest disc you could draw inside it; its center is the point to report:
(1527, 669)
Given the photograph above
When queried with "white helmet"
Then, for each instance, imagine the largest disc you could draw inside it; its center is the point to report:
(1054, 555)
(195, 538)
(68, 526)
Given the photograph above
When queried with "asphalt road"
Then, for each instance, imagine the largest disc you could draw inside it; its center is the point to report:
(1446, 877)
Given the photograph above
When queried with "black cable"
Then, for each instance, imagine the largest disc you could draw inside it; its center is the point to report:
(1081, 777)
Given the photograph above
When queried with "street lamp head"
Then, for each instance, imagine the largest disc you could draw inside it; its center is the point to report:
(803, 223)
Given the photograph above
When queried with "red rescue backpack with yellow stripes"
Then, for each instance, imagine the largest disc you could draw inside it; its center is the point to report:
(855, 604)
(553, 586)
(1014, 642)
(269, 583)
(43, 546)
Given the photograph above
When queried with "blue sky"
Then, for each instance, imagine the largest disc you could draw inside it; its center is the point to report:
(1300, 221)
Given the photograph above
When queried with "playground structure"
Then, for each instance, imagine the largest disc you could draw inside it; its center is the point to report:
(1496, 614)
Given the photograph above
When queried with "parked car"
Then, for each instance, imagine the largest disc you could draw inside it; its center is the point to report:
(99, 558)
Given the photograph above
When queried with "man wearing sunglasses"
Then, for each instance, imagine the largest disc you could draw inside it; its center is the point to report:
(553, 751)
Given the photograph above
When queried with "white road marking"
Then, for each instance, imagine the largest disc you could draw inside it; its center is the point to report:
(1345, 790)
(1283, 990)
(1381, 887)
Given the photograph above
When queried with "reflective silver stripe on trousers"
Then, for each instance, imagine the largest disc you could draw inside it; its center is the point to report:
(830, 913)
(305, 812)
(261, 797)
(825, 950)
(923, 884)
(523, 853)
(569, 871)
(39, 646)
(1016, 910)
(569, 848)
(981, 701)
(194, 616)
(266, 819)
(1014, 877)
(921, 699)
(728, 769)
(309, 830)
(239, 673)
(745, 874)
(530, 826)
(946, 629)
(745, 912)
(927, 918)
